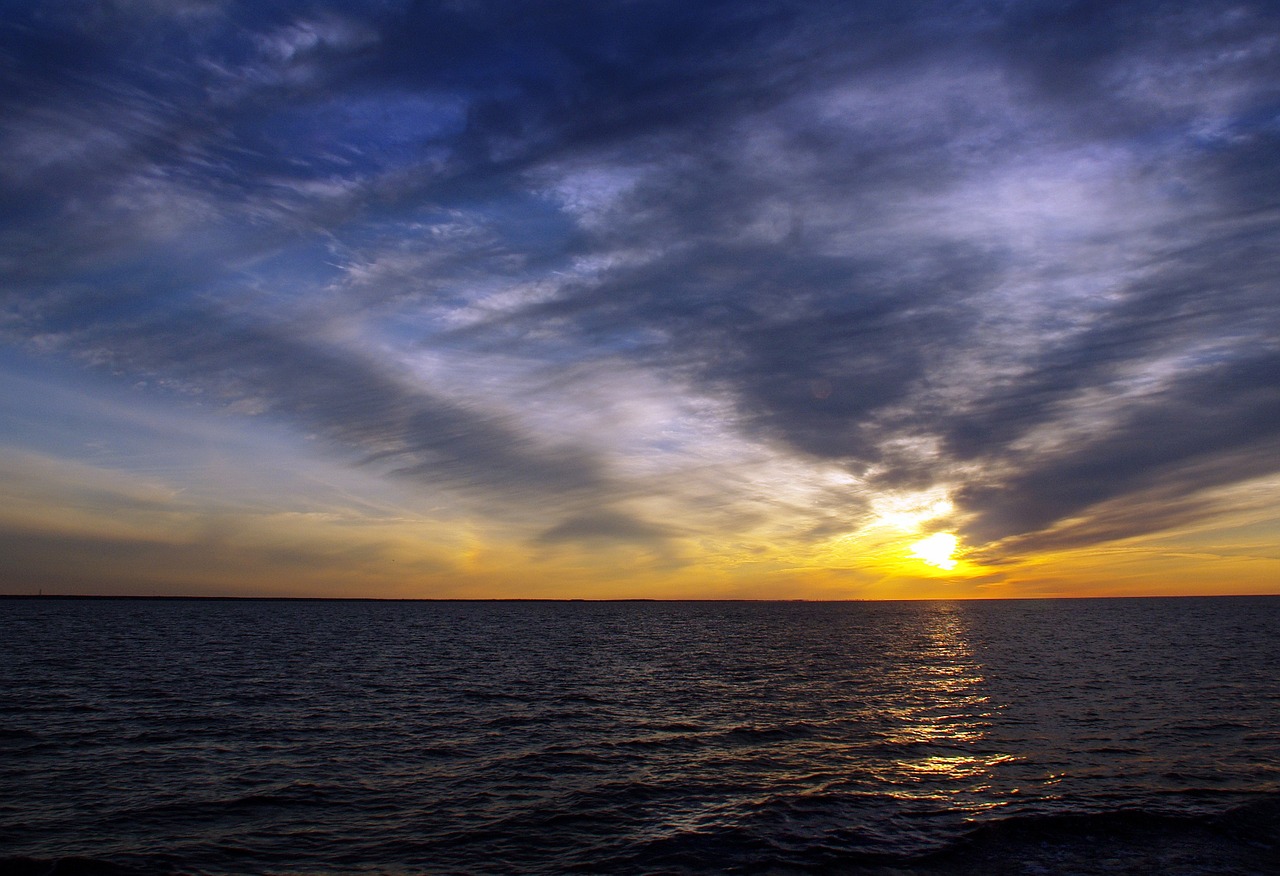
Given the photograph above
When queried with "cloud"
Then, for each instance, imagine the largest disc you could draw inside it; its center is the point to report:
(604, 525)
(1205, 430)
(1020, 255)
(355, 404)
(918, 348)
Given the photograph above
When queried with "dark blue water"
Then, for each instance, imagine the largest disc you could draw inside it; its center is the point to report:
(434, 737)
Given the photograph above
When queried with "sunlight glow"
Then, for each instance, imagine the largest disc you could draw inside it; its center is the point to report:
(936, 550)
(907, 513)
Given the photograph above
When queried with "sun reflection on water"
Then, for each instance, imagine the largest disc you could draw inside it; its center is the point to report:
(940, 720)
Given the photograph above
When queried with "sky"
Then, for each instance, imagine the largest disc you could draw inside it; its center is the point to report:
(640, 298)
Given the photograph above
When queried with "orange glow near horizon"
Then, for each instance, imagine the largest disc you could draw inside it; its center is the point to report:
(81, 530)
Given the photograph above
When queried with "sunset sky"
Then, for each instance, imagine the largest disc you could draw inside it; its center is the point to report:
(640, 299)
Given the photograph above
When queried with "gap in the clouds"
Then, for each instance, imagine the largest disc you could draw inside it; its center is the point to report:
(359, 134)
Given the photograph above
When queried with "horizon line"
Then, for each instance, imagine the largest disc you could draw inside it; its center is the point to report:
(197, 598)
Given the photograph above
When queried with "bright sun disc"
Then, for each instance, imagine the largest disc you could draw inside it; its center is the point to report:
(936, 550)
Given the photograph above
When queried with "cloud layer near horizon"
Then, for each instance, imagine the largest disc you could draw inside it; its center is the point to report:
(662, 273)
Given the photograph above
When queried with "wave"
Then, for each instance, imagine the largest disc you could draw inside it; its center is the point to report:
(72, 866)
(291, 796)
(1240, 841)
(1243, 840)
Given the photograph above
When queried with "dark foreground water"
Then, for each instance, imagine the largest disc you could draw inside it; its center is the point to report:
(1114, 736)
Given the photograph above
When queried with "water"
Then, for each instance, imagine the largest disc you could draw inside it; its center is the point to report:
(222, 737)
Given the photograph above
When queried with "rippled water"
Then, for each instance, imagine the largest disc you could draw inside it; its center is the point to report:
(402, 737)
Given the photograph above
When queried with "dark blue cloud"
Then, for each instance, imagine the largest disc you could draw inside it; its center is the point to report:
(1021, 250)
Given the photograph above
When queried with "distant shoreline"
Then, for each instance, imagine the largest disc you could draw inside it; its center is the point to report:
(181, 598)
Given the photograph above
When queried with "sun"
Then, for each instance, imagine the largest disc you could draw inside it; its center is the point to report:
(936, 550)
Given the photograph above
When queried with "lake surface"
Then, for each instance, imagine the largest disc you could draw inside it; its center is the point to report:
(292, 737)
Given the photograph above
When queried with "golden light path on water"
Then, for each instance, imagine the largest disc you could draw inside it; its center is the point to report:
(942, 719)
